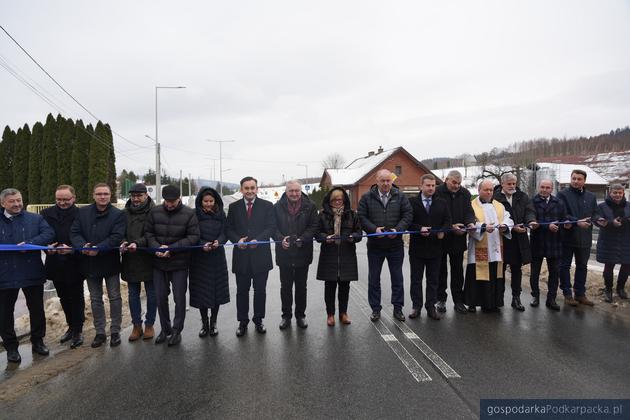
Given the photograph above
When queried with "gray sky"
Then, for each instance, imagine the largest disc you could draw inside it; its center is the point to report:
(295, 81)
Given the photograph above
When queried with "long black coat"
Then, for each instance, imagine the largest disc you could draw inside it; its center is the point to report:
(260, 227)
(517, 249)
(579, 204)
(439, 217)
(208, 277)
(545, 243)
(613, 243)
(176, 228)
(137, 266)
(396, 215)
(303, 226)
(62, 268)
(105, 230)
(460, 208)
(338, 261)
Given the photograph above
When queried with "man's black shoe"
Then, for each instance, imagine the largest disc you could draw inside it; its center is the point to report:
(399, 315)
(551, 304)
(205, 328)
(13, 356)
(608, 298)
(40, 348)
(174, 339)
(440, 306)
(162, 337)
(376, 315)
(99, 340)
(415, 313)
(241, 330)
(432, 312)
(535, 302)
(77, 340)
(260, 328)
(460, 308)
(301, 322)
(472, 309)
(285, 323)
(516, 304)
(67, 336)
(114, 340)
(213, 329)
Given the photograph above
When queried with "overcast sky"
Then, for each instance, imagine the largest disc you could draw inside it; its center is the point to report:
(292, 82)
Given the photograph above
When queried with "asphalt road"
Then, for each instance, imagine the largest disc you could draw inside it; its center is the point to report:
(417, 369)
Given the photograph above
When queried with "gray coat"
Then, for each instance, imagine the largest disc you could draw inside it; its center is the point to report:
(396, 215)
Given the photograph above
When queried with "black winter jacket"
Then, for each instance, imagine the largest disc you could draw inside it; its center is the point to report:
(579, 204)
(522, 211)
(303, 226)
(137, 266)
(62, 268)
(545, 243)
(613, 243)
(396, 215)
(460, 208)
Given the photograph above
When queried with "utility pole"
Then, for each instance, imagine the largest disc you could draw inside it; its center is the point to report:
(221, 160)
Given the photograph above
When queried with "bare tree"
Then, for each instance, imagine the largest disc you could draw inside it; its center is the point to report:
(334, 161)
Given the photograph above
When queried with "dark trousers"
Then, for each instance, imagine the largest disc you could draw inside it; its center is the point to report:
(516, 277)
(35, 303)
(553, 266)
(330, 288)
(214, 313)
(456, 262)
(418, 267)
(289, 276)
(624, 270)
(162, 281)
(243, 283)
(581, 261)
(73, 303)
(376, 258)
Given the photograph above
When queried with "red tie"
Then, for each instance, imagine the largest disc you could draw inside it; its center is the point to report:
(249, 209)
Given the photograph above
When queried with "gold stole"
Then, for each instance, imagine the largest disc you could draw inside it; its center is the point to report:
(482, 266)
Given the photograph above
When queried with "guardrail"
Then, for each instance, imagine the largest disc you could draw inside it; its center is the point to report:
(36, 208)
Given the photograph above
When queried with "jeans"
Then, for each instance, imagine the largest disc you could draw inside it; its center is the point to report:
(95, 286)
(581, 261)
(135, 306)
(394, 257)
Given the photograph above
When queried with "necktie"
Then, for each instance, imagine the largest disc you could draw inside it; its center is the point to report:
(427, 204)
(384, 200)
(249, 209)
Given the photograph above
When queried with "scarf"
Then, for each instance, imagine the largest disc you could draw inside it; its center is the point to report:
(294, 208)
(482, 266)
(337, 213)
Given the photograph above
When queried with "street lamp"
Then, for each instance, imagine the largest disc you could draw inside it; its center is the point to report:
(158, 175)
(221, 159)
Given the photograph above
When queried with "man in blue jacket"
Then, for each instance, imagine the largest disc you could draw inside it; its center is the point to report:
(22, 270)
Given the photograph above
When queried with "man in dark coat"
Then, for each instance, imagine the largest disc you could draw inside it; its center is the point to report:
(581, 207)
(26, 272)
(101, 226)
(613, 241)
(385, 209)
(171, 225)
(454, 244)
(250, 219)
(137, 267)
(425, 248)
(296, 224)
(546, 243)
(517, 251)
(62, 264)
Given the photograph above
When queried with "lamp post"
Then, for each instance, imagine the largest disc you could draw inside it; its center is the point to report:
(221, 160)
(158, 170)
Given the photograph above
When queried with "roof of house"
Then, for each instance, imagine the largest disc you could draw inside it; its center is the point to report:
(358, 168)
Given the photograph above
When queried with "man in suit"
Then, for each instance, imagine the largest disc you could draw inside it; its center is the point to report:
(425, 248)
(249, 220)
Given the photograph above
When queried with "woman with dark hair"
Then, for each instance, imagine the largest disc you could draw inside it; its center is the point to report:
(209, 287)
(339, 230)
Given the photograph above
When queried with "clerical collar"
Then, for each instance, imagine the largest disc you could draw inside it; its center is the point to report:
(484, 201)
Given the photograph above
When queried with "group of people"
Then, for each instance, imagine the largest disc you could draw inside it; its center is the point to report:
(172, 248)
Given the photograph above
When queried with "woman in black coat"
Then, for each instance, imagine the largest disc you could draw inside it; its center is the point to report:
(339, 230)
(208, 276)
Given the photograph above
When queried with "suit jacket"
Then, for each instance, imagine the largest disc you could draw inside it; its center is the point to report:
(439, 217)
(260, 227)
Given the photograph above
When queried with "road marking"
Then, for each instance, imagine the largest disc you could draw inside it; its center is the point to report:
(412, 365)
(433, 357)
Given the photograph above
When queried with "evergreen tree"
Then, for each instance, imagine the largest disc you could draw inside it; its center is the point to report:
(49, 161)
(111, 163)
(64, 151)
(99, 156)
(20, 161)
(79, 162)
(34, 164)
(6, 158)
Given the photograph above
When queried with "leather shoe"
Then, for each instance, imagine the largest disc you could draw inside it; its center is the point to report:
(535, 302)
(432, 312)
(136, 333)
(516, 304)
(174, 339)
(472, 309)
(344, 318)
(399, 315)
(149, 332)
(40, 348)
(213, 329)
(13, 356)
(241, 330)
(260, 328)
(99, 340)
(568, 300)
(584, 300)
(205, 328)
(622, 294)
(415, 313)
(301, 322)
(330, 321)
(67, 336)
(375, 316)
(551, 304)
(440, 306)
(285, 323)
(460, 308)
(162, 337)
(114, 340)
(608, 295)
(77, 340)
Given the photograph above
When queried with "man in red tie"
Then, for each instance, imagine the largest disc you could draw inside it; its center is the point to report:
(249, 220)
